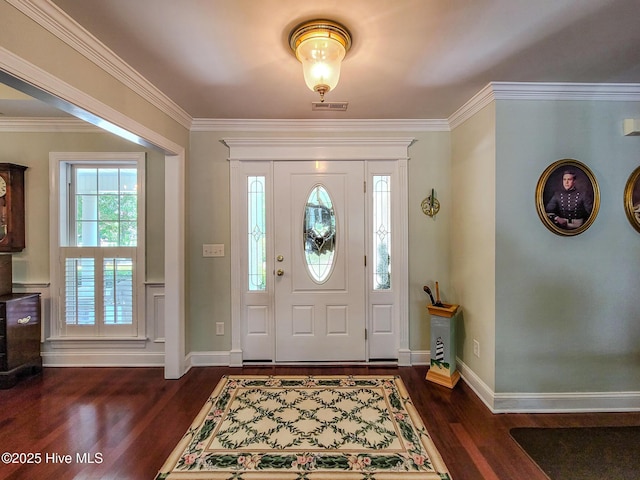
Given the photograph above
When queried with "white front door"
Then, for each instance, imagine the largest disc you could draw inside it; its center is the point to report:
(319, 271)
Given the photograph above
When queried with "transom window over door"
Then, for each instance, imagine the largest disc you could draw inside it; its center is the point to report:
(100, 224)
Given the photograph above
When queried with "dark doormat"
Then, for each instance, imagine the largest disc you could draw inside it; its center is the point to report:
(583, 453)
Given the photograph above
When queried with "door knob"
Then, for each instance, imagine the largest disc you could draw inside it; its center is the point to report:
(280, 272)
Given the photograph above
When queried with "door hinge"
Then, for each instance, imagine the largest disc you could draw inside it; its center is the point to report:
(365, 333)
(365, 260)
(365, 186)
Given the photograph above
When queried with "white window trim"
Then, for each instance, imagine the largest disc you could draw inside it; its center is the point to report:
(58, 218)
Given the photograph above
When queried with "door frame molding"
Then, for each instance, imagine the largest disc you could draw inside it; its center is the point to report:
(269, 149)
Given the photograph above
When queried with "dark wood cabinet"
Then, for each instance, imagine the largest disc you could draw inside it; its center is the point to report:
(19, 337)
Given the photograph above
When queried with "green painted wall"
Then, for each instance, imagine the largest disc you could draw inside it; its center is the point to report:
(429, 238)
(209, 222)
(567, 311)
(472, 237)
(209, 217)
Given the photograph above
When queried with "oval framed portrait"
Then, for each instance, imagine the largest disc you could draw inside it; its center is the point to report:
(567, 197)
(632, 199)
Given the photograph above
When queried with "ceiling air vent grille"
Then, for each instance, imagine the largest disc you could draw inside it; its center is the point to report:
(329, 106)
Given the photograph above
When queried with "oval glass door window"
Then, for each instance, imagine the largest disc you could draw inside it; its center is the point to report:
(319, 234)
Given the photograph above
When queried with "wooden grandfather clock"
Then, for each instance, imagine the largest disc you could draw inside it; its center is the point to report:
(12, 207)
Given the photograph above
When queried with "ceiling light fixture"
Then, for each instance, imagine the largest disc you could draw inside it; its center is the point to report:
(320, 45)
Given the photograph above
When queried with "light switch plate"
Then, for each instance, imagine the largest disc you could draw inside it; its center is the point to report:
(213, 250)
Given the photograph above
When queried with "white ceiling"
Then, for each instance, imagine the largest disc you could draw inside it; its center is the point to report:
(411, 59)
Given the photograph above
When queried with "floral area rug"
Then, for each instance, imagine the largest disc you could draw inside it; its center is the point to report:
(304, 428)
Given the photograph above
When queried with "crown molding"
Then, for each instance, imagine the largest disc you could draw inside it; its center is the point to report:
(47, 125)
(317, 148)
(56, 21)
(476, 103)
(611, 92)
(59, 124)
(318, 125)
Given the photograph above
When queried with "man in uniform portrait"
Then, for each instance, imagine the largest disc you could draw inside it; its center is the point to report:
(569, 207)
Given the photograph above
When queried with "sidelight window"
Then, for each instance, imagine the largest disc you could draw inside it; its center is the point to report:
(381, 232)
(256, 233)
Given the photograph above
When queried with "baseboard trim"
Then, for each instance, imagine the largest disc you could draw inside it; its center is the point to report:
(420, 357)
(481, 389)
(554, 402)
(102, 359)
(209, 359)
(573, 402)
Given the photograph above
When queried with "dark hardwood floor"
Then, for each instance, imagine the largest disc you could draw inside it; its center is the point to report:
(122, 423)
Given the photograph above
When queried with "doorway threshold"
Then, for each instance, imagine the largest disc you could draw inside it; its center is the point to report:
(364, 363)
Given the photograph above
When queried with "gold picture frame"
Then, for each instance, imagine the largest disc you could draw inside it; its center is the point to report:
(567, 197)
(632, 199)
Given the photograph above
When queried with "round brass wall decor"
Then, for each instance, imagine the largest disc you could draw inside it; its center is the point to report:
(632, 199)
(430, 206)
(567, 197)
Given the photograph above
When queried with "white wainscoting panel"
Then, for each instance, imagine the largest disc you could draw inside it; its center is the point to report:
(147, 351)
(155, 311)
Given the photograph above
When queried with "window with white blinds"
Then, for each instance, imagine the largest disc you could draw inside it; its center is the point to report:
(99, 216)
(99, 291)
